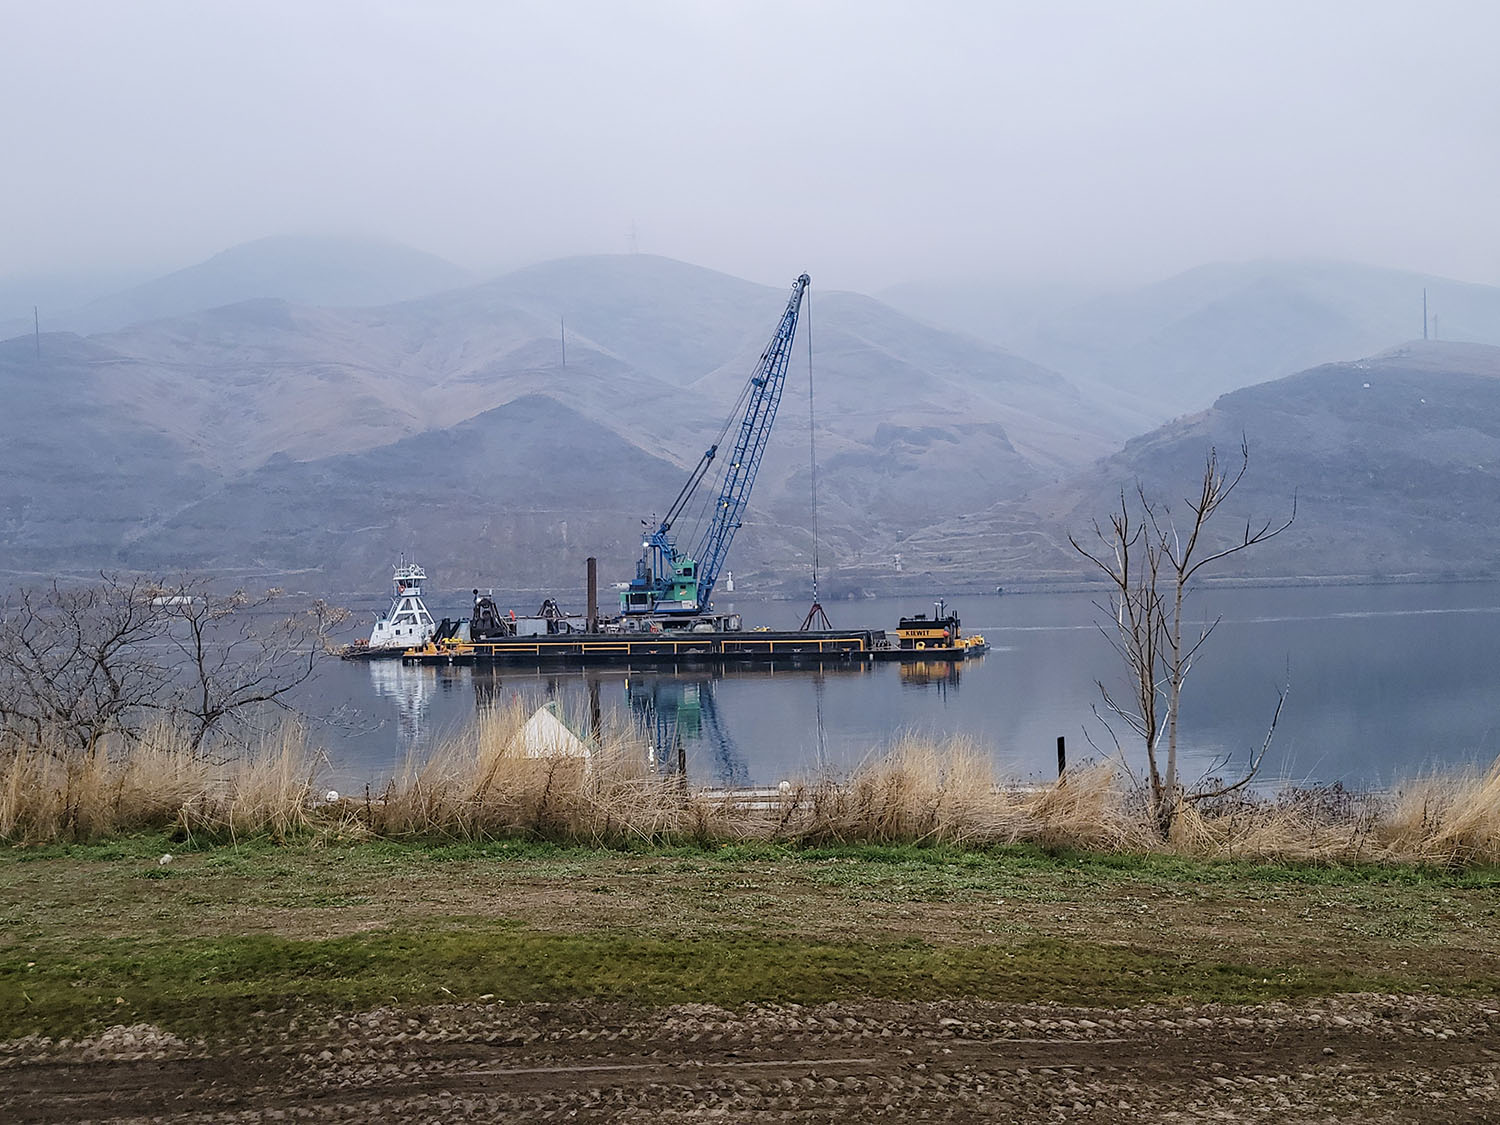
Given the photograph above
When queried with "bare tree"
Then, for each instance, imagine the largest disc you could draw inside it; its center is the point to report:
(1151, 559)
(78, 664)
(232, 654)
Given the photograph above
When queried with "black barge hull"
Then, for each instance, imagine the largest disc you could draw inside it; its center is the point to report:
(757, 647)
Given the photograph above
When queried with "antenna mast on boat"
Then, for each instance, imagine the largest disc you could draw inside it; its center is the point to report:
(815, 614)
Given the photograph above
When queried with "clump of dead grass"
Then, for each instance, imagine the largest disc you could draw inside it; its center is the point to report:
(1089, 808)
(155, 780)
(947, 792)
(918, 792)
(1262, 830)
(1448, 819)
(269, 789)
(49, 793)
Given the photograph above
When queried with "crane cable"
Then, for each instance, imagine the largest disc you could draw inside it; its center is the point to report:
(707, 501)
(703, 510)
(812, 445)
(815, 615)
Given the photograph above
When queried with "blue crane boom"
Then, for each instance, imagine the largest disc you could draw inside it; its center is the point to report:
(674, 584)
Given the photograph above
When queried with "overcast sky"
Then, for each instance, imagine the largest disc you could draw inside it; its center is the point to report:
(869, 143)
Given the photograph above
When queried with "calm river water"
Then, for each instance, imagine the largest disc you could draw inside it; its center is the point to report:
(1385, 681)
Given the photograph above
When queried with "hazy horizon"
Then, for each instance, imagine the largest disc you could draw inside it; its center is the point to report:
(870, 144)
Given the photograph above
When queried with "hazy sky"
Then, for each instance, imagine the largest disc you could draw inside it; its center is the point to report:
(866, 142)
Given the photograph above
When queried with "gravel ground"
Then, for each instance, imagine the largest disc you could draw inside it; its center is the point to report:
(1367, 1058)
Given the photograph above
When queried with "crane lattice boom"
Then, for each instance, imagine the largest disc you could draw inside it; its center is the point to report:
(669, 583)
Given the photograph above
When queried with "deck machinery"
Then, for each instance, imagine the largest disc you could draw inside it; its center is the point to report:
(672, 589)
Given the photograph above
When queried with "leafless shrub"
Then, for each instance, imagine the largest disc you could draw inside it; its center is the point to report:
(76, 664)
(82, 665)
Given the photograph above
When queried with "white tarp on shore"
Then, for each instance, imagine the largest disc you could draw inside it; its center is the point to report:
(545, 735)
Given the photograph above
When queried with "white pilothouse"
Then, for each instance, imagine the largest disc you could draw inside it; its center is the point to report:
(407, 624)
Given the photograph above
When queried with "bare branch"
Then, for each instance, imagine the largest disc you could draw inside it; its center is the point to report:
(1256, 759)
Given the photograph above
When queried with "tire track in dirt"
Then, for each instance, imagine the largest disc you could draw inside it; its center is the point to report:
(1378, 1058)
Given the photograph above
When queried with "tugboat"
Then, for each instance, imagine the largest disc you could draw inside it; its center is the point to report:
(940, 635)
(407, 624)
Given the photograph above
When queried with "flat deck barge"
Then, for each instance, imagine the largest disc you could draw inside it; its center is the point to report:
(673, 646)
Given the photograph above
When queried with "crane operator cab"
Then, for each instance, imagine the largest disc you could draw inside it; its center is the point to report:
(678, 593)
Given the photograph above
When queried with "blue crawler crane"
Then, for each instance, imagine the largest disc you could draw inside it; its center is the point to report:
(675, 586)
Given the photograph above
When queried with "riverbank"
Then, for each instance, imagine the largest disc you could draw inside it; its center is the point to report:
(525, 981)
(506, 777)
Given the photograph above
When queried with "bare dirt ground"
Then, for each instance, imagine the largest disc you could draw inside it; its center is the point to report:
(1365, 1058)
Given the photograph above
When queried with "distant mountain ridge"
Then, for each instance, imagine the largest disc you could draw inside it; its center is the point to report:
(505, 430)
(1175, 345)
(511, 504)
(323, 270)
(644, 355)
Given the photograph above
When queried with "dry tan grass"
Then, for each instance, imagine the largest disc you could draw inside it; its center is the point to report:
(48, 794)
(153, 782)
(475, 785)
(1089, 809)
(918, 792)
(269, 789)
(1264, 831)
(483, 784)
(1451, 819)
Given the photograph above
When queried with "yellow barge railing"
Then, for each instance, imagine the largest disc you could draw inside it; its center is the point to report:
(608, 648)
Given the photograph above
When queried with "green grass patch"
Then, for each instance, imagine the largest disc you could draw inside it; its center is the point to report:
(210, 987)
(97, 934)
(1009, 859)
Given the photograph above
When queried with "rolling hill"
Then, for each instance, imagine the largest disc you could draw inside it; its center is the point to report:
(217, 407)
(274, 437)
(1393, 461)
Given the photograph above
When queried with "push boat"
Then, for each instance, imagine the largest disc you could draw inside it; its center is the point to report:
(406, 625)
